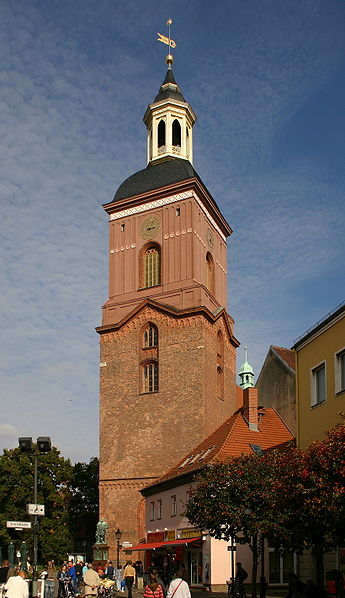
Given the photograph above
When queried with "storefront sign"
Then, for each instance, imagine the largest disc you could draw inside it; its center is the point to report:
(170, 535)
(189, 533)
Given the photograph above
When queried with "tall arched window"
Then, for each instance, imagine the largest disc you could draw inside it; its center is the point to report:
(176, 133)
(187, 141)
(151, 266)
(150, 377)
(220, 365)
(209, 272)
(150, 336)
(161, 133)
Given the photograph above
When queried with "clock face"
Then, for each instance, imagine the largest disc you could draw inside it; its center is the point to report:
(210, 238)
(150, 227)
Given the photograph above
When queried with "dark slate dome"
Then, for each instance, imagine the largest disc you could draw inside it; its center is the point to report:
(155, 176)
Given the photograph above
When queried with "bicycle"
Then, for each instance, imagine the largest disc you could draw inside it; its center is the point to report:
(236, 589)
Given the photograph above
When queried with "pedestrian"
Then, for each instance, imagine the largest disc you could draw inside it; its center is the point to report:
(49, 583)
(73, 575)
(109, 570)
(91, 581)
(64, 581)
(241, 574)
(118, 578)
(179, 587)
(129, 577)
(154, 588)
(16, 586)
(79, 573)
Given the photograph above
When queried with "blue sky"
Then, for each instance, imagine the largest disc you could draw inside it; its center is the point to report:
(266, 80)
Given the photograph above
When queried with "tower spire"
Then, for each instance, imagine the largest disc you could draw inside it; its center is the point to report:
(169, 119)
(246, 373)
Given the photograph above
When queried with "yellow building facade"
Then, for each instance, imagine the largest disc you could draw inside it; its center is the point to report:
(320, 371)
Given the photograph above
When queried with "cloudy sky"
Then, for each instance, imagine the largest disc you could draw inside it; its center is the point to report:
(266, 80)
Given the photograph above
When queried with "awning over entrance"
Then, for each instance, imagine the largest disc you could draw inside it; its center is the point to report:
(152, 545)
(146, 546)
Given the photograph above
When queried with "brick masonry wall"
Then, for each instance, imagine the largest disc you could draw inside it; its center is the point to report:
(143, 435)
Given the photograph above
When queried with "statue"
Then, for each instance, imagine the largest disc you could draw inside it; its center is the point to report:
(101, 529)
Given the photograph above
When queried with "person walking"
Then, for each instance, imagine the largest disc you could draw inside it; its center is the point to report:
(16, 586)
(129, 577)
(179, 588)
(153, 589)
(64, 580)
(91, 581)
(49, 582)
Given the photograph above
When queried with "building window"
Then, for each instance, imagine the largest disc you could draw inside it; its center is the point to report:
(161, 133)
(173, 506)
(178, 211)
(340, 371)
(209, 272)
(318, 386)
(152, 510)
(150, 336)
(150, 266)
(123, 226)
(220, 365)
(159, 509)
(150, 377)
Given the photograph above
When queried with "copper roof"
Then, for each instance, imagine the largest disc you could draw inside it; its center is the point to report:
(232, 439)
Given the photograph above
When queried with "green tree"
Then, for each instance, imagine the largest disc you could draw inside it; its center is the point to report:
(84, 505)
(231, 500)
(16, 491)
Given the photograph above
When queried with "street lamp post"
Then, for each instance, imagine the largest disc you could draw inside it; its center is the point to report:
(43, 446)
(118, 535)
(262, 575)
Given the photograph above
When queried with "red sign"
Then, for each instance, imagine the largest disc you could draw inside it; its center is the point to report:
(155, 537)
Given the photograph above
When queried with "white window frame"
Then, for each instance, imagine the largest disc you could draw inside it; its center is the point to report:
(337, 371)
(159, 508)
(313, 394)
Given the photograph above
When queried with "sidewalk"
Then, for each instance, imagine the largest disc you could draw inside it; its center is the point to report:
(201, 593)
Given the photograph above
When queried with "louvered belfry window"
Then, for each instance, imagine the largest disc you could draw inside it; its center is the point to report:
(152, 272)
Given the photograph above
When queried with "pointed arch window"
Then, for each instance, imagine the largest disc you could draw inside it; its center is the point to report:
(161, 134)
(209, 272)
(150, 336)
(220, 365)
(176, 133)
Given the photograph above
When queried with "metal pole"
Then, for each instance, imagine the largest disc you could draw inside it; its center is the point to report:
(118, 553)
(35, 532)
(262, 576)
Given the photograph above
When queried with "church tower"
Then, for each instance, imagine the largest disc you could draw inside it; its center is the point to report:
(167, 345)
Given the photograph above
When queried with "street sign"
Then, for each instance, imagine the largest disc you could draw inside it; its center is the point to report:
(35, 509)
(232, 548)
(19, 524)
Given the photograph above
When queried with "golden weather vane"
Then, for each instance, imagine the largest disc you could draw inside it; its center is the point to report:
(167, 40)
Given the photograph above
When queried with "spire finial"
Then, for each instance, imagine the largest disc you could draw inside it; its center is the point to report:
(169, 59)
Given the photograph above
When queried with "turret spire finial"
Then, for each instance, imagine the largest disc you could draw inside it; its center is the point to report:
(169, 59)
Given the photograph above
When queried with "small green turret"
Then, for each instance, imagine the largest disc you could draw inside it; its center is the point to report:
(246, 373)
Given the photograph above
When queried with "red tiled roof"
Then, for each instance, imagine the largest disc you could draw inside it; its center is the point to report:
(232, 439)
(287, 355)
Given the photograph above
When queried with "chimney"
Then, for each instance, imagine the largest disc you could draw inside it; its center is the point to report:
(250, 407)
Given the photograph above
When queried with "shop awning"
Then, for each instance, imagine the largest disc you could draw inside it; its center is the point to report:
(152, 545)
(146, 546)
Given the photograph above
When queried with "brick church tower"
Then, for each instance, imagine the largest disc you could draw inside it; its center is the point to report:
(168, 350)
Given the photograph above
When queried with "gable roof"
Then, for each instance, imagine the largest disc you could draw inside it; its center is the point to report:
(232, 439)
(286, 355)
